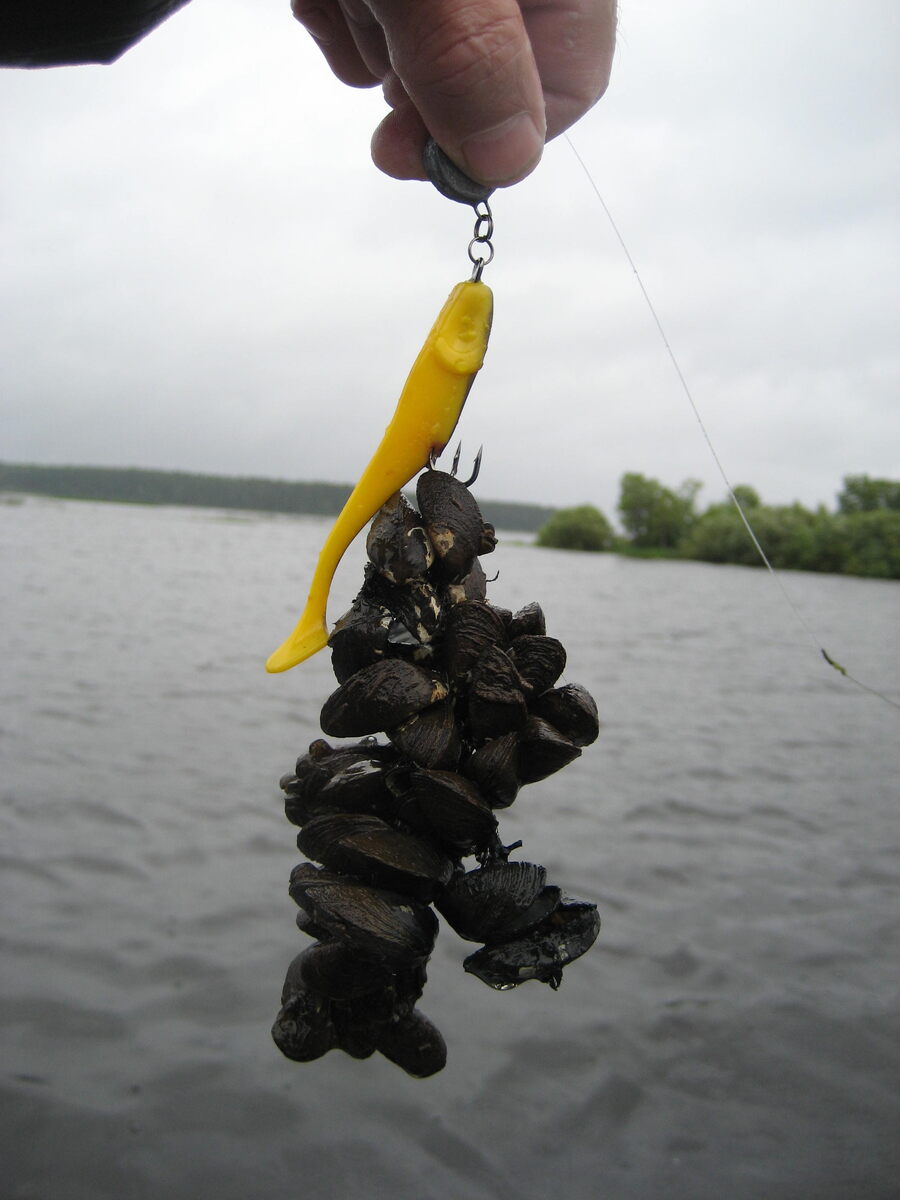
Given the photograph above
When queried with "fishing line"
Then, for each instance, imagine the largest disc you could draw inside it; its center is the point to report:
(721, 469)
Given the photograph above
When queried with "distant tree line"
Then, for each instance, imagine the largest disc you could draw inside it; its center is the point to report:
(132, 485)
(861, 538)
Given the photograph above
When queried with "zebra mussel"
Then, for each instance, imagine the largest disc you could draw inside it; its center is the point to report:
(468, 697)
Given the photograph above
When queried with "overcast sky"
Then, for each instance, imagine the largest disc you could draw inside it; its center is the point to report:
(203, 270)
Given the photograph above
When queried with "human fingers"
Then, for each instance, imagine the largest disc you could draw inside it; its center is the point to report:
(469, 72)
(326, 22)
(573, 43)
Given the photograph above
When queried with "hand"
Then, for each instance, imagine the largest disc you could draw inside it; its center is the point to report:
(489, 80)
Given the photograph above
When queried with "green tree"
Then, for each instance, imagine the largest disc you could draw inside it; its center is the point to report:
(653, 516)
(581, 528)
(862, 494)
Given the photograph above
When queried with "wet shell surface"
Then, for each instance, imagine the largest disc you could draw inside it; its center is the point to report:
(542, 952)
(365, 846)
(397, 544)
(571, 710)
(378, 697)
(465, 692)
(380, 924)
(498, 901)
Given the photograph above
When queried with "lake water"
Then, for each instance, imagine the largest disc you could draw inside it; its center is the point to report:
(734, 1033)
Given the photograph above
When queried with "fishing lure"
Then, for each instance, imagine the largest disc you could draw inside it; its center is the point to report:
(423, 422)
(467, 695)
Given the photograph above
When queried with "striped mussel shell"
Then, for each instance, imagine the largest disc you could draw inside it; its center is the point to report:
(570, 709)
(470, 629)
(347, 779)
(366, 847)
(527, 621)
(453, 522)
(445, 806)
(494, 769)
(378, 923)
(543, 750)
(539, 660)
(497, 902)
(496, 699)
(430, 738)
(380, 696)
(541, 952)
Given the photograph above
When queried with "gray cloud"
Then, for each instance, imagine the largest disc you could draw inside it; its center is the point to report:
(203, 270)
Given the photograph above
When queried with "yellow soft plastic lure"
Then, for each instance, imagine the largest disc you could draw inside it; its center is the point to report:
(423, 422)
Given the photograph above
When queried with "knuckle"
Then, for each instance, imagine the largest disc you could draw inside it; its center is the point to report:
(459, 55)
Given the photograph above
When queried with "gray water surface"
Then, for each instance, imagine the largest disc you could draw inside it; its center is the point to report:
(734, 1033)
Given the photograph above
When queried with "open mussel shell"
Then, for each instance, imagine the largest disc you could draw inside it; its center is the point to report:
(380, 696)
(339, 973)
(542, 952)
(498, 901)
(397, 544)
(494, 768)
(365, 846)
(303, 1029)
(380, 924)
(496, 703)
(448, 807)
(470, 629)
(571, 710)
(528, 620)
(414, 1044)
(539, 659)
(543, 750)
(430, 738)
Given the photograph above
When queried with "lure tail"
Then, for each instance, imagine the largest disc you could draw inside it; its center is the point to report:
(423, 422)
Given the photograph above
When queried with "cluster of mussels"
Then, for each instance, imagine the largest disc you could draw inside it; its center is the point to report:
(465, 693)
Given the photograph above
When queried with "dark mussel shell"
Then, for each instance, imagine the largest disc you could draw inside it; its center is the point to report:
(415, 615)
(453, 522)
(365, 846)
(528, 620)
(471, 587)
(359, 637)
(380, 696)
(496, 700)
(450, 808)
(497, 902)
(358, 1023)
(338, 972)
(542, 952)
(571, 710)
(380, 924)
(429, 738)
(543, 750)
(303, 1029)
(351, 779)
(494, 768)
(414, 1044)
(539, 659)
(397, 544)
(470, 629)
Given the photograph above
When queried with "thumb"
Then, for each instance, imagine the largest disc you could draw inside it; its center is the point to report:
(468, 68)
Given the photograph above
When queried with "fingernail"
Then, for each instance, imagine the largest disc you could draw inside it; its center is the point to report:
(505, 152)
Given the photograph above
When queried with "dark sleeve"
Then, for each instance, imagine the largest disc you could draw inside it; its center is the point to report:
(55, 33)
